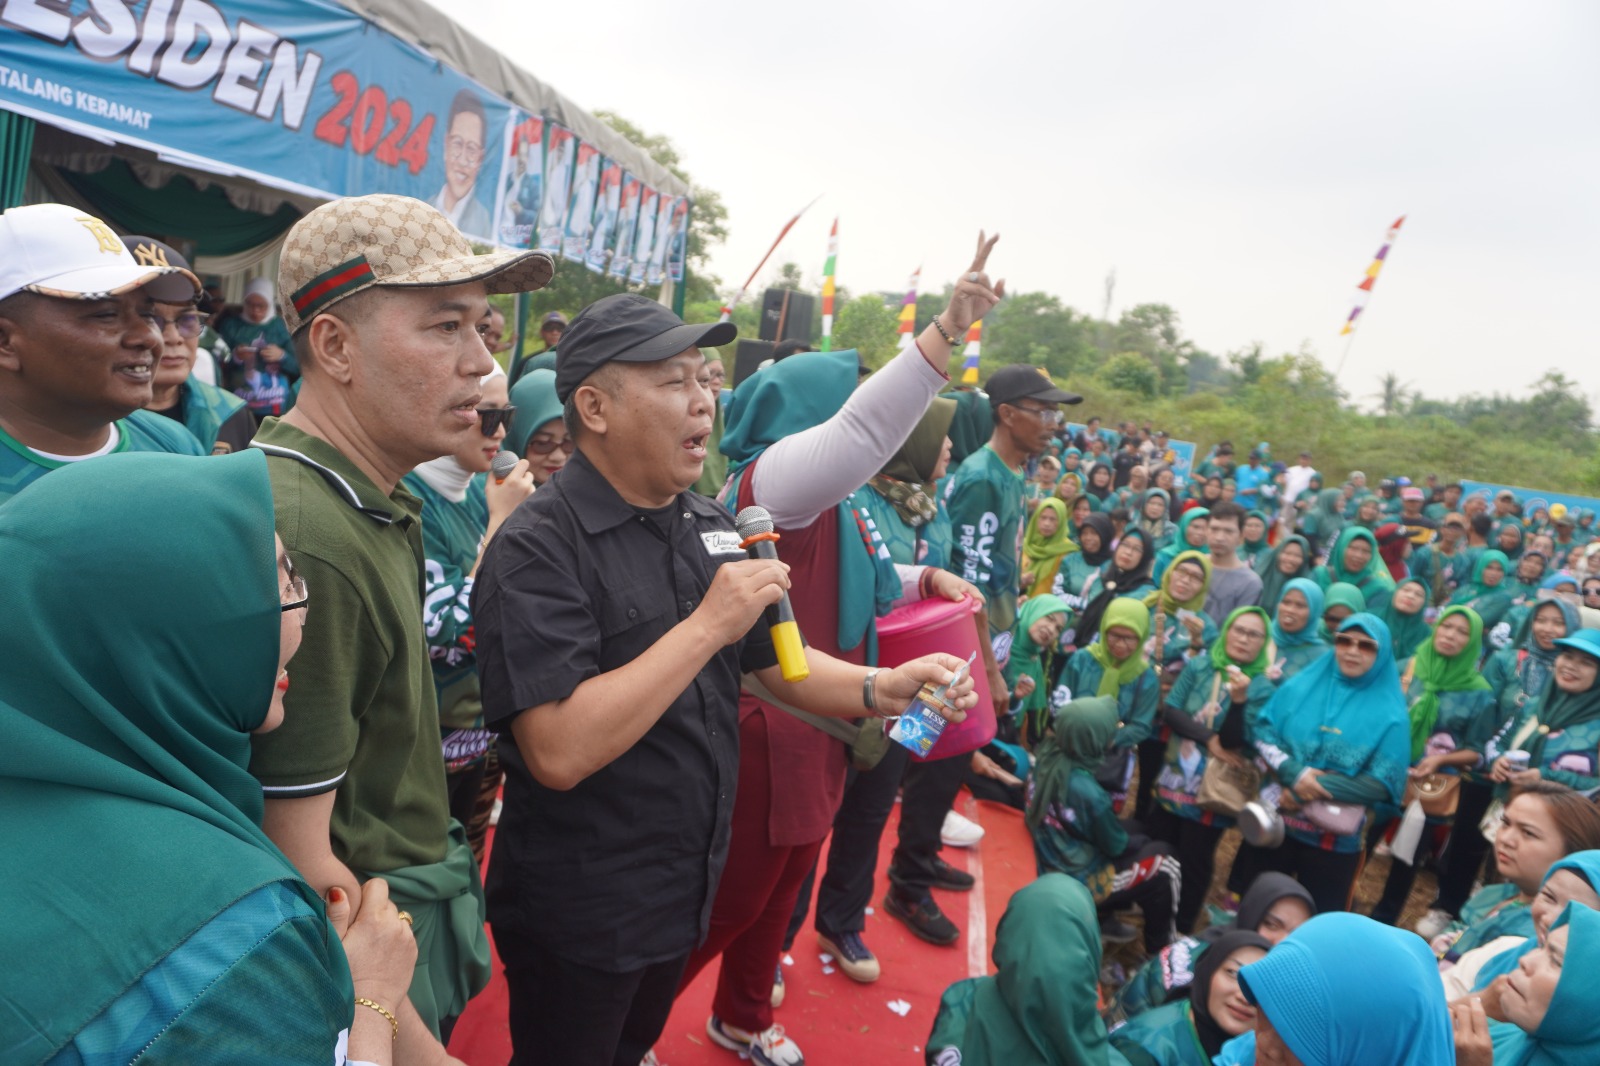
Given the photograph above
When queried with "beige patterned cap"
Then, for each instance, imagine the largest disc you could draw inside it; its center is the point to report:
(356, 242)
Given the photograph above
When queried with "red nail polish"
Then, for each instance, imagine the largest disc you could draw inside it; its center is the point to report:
(336, 895)
(283, 683)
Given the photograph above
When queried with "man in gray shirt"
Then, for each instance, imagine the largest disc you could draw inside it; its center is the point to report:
(1233, 583)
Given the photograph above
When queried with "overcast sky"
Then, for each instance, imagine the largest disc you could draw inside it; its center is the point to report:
(1238, 161)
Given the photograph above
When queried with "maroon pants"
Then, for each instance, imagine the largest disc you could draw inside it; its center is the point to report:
(757, 894)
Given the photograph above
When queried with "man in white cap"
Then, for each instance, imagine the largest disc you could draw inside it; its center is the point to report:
(78, 344)
(388, 306)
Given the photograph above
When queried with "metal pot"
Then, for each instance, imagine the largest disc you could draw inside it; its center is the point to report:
(1260, 825)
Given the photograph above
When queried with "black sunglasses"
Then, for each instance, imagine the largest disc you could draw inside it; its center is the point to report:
(490, 419)
(1345, 640)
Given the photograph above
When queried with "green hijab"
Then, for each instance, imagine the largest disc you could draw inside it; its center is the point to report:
(534, 397)
(1027, 654)
(1408, 631)
(1375, 573)
(1220, 660)
(1444, 673)
(1080, 735)
(1273, 580)
(1255, 547)
(972, 425)
(906, 480)
(1040, 1009)
(1134, 615)
(1340, 594)
(1476, 588)
(1038, 549)
(1163, 597)
(145, 656)
(788, 398)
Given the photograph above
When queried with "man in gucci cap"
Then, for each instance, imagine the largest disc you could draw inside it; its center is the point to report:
(78, 344)
(388, 307)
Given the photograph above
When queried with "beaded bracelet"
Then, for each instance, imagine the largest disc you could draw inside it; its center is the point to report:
(951, 341)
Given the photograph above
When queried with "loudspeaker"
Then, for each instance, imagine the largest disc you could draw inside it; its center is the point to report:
(793, 309)
(747, 357)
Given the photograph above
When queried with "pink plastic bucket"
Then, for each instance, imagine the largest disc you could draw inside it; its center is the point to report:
(949, 626)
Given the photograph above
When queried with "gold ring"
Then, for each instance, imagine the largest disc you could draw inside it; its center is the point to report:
(405, 916)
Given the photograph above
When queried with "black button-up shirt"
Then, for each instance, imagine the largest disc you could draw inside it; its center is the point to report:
(620, 871)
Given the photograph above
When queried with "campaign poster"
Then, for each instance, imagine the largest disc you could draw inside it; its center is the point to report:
(1530, 499)
(644, 241)
(678, 243)
(607, 201)
(580, 211)
(522, 182)
(558, 164)
(627, 225)
(1180, 456)
(658, 254)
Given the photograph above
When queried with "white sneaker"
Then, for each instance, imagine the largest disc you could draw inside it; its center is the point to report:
(1433, 923)
(959, 831)
(770, 1047)
(650, 1059)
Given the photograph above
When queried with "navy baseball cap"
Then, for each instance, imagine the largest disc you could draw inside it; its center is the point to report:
(628, 328)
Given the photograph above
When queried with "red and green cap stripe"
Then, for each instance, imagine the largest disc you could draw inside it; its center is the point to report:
(331, 285)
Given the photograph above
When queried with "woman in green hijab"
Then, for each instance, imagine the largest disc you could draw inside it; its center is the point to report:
(1406, 617)
(1044, 545)
(1209, 711)
(1486, 592)
(1115, 666)
(1281, 565)
(1185, 630)
(1075, 828)
(1035, 643)
(1193, 530)
(1324, 519)
(1354, 560)
(1340, 601)
(1256, 527)
(147, 913)
(1452, 715)
(1040, 1009)
(905, 502)
(537, 432)
(1154, 510)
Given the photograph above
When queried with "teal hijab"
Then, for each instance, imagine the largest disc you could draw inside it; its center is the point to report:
(145, 655)
(1408, 631)
(791, 397)
(1570, 1032)
(1311, 632)
(1586, 864)
(534, 397)
(1274, 580)
(1027, 655)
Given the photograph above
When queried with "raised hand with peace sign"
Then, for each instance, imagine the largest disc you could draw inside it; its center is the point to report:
(974, 297)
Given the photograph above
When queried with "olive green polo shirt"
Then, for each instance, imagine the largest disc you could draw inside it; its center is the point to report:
(361, 716)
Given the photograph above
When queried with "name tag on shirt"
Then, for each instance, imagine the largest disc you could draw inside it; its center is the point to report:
(722, 542)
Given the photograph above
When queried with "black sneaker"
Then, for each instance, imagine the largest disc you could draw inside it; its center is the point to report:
(949, 878)
(923, 918)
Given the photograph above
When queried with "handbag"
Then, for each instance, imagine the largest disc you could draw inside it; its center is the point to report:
(1439, 794)
(1225, 788)
(1340, 819)
(865, 739)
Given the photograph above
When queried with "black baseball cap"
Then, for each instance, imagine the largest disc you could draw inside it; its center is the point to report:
(628, 328)
(1024, 382)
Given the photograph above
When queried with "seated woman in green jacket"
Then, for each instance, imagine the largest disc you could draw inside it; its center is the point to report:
(1075, 828)
(1079, 570)
(1297, 629)
(1035, 645)
(1339, 602)
(1194, 529)
(1191, 1031)
(1045, 543)
(1354, 560)
(1281, 565)
(1257, 526)
(1210, 712)
(1406, 617)
(1487, 593)
(1559, 731)
(1184, 629)
(1115, 666)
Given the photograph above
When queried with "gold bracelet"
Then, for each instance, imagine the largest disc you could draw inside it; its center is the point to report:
(394, 1025)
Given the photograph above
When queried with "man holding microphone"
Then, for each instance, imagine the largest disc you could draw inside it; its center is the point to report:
(616, 612)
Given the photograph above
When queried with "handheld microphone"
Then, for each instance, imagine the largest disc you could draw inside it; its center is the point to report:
(502, 464)
(755, 526)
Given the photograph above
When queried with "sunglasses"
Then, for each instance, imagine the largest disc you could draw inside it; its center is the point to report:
(1363, 644)
(544, 444)
(490, 419)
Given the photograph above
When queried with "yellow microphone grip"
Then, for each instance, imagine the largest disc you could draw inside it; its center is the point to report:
(791, 651)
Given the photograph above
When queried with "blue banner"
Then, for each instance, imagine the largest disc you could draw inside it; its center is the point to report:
(1530, 499)
(301, 95)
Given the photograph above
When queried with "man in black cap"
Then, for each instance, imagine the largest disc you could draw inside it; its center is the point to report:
(615, 613)
(551, 327)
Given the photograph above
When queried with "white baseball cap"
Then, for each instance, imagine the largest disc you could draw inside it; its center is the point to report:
(56, 250)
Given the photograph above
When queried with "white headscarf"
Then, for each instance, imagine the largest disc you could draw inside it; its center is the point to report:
(262, 287)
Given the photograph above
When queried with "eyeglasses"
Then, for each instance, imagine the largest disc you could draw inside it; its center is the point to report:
(490, 419)
(471, 151)
(544, 444)
(1250, 634)
(189, 323)
(295, 595)
(1362, 644)
(1048, 415)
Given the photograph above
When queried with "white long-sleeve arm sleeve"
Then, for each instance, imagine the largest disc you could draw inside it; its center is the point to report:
(802, 476)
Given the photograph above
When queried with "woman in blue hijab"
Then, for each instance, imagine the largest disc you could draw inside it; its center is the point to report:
(1344, 990)
(1297, 629)
(1550, 1004)
(1336, 736)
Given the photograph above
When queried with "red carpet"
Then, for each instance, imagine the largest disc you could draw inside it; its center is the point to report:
(831, 1018)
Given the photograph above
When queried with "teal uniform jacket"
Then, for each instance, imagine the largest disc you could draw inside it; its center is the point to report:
(1136, 702)
(1082, 836)
(928, 545)
(1155, 983)
(986, 509)
(1184, 761)
(1466, 722)
(1300, 656)
(1176, 647)
(1165, 1036)
(141, 431)
(1569, 756)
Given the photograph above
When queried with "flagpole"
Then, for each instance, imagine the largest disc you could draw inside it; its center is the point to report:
(727, 308)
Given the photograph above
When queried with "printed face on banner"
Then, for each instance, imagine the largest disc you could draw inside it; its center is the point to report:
(607, 201)
(580, 211)
(627, 226)
(658, 253)
(522, 182)
(558, 163)
(645, 241)
(678, 246)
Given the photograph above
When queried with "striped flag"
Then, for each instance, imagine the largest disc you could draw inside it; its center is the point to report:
(969, 366)
(827, 287)
(1372, 275)
(908, 313)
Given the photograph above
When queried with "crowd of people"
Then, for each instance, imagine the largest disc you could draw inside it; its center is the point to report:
(572, 642)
